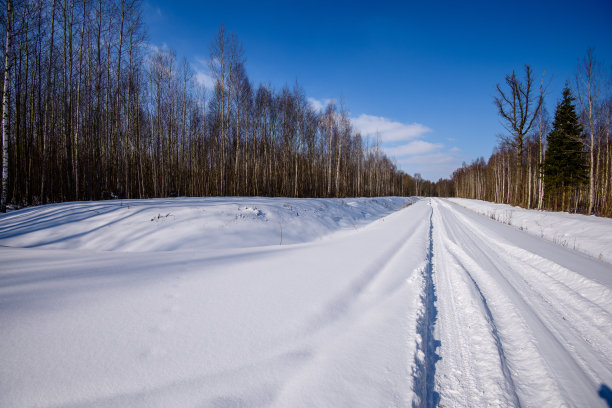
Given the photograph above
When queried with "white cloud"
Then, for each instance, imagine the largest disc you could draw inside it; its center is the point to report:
(429, 159)
(416, 147)
(432, 166)
(201, 61)
(406, 143)
(202, 73)
(389, 130)
(154, 48)
(318, 105)
(203, 78)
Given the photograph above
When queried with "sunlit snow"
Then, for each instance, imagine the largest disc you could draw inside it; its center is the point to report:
(225, 302)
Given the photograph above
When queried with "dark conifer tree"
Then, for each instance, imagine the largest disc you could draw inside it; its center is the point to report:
(565, 167)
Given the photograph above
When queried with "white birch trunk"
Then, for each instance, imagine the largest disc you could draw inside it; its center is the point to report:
(5, 104)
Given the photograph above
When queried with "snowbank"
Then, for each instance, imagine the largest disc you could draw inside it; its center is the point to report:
(188, 223)
(324, 323)
(588, 234)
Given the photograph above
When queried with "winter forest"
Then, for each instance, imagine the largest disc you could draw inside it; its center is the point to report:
(91, 111)
(560, 164)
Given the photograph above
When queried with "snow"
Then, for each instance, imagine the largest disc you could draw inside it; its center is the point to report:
(367, 302)
(550, 325)
(588, 234)
(188, 223)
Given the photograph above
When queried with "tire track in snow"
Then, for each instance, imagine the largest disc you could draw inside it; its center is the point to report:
(583, 307)
(426, 357)
(370, 324)
(473, 370)
(498, 343)
(374, 270)
(576, 308)
(552, 364)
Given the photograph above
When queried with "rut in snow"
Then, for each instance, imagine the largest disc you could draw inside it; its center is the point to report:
(426, 356)
(498, 343)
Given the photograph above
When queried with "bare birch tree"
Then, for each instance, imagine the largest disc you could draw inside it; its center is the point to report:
(588, 88)
(518, 107)
(5, 102)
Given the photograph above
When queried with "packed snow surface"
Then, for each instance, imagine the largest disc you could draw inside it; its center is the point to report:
(227, 302)
(588, 234)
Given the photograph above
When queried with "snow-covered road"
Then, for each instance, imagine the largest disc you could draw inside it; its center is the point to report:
(429, 305)
(520, 322)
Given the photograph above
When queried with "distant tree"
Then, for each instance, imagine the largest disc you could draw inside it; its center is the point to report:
(588, 88)
(47, 108)
(330, 129)
(417, 180)
(542, 128)
(565, 168)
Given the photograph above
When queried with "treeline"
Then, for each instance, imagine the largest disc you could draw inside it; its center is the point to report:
(91, 111)
(563, 165)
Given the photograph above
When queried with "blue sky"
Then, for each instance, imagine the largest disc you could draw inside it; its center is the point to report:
(422, 74)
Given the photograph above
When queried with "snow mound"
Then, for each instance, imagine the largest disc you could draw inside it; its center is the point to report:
(587, 234)
(175, 224)
(321, 323)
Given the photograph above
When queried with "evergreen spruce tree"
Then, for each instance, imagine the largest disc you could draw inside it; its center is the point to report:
(565, 168)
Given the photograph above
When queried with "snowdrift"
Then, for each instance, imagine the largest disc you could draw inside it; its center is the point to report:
(188, 223)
